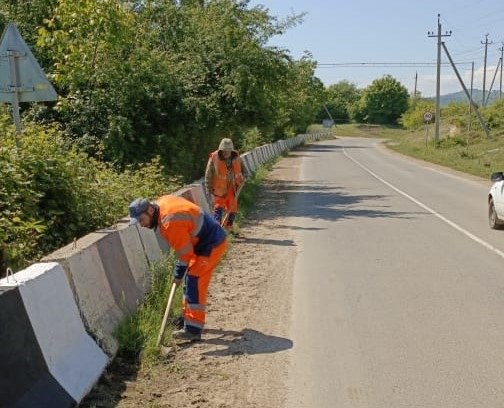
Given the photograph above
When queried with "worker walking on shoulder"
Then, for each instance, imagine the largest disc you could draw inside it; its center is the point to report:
(223, 178)
(199, 243)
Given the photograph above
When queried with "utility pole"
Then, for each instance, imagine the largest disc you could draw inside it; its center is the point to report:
(329, 113)
(476, 110)
(501, 49)
(416, 82)
(470, 103)
(493, 80)
(485, 65)
(438, 79)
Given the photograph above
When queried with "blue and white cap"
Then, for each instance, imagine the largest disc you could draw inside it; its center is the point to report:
(137, 208)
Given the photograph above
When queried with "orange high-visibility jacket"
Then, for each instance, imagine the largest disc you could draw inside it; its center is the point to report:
(187, 229)
(220, 178)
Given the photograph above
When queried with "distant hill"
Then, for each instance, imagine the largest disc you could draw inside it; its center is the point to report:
(461, 97)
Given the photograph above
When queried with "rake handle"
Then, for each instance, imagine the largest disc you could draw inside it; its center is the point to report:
(166, 313)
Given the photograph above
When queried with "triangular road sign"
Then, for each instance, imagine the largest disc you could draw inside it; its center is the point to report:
(20, 71)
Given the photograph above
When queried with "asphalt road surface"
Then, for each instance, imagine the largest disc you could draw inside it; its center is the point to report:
(398, 292)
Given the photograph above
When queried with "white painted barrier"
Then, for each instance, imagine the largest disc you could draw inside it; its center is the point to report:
(56, 363)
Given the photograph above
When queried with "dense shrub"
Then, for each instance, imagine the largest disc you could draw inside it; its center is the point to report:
(413, 118)
(51, 193)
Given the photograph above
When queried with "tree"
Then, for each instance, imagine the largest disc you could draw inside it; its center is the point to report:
(339, 98)
(28, 16)
(137, 79)
(382, 102)
(303, 94)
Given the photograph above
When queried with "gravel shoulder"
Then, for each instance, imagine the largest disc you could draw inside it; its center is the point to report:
(244, 358)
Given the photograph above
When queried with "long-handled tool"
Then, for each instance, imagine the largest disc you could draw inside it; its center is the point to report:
(166, 313)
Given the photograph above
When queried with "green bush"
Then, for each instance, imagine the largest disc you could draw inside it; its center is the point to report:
(494, 116)
(413, 118)
(140, 79)
(456, 113)
(382, 102)
(52, 193)
(252, 138)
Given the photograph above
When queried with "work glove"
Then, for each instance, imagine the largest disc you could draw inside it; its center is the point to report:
(179, 270)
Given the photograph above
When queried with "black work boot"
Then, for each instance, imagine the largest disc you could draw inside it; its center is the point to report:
(184, 335)
(177, 322)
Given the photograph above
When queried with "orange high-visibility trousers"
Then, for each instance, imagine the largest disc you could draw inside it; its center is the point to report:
(197, 280)
(229, 203)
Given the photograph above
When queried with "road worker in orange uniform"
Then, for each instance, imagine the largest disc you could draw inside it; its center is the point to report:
(199, 243)
(223, 177)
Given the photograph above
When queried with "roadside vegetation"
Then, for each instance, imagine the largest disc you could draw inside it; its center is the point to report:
(146, 91)
(51, 192)
(462, 146)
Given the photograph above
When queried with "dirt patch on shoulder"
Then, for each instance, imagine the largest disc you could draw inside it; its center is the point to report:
(243, 360)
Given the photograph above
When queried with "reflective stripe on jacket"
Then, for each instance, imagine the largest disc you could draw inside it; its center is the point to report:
(187, 229)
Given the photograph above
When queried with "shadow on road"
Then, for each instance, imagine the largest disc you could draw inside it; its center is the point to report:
(297, 228)
(322, 201)
(263, 241)
(323, 148)
(247, 341)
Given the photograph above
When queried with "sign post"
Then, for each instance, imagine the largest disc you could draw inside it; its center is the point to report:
(21, 77)
(328, 123)
(427, 118)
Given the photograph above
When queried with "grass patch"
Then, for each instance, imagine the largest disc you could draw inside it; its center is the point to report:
(475, 154)
(250, 191)
(138, 334)
(373, 131)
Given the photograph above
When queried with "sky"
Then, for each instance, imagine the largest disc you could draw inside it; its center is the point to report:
(394, 31)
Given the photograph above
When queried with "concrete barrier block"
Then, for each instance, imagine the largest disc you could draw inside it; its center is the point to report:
(184, 192)
(119, 272)
(247, 164)
(259, 156)
(255, 158)
(264, 159)
(251, 165)
(199, 196)
(267, 153)
(136, 256)
(103, 283)
(276, 148)
(150, 245)
(48, 359)
(165, 248)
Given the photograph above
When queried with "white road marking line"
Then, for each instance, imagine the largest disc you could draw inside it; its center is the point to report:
(427, 208)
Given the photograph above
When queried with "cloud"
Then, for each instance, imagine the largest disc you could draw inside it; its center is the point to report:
(450, 83)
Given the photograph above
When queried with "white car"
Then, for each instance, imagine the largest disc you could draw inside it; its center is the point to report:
(496, 201)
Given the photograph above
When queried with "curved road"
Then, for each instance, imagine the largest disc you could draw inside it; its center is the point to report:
(398, 297)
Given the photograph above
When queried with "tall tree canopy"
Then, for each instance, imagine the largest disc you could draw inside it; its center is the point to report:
(161, 77)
